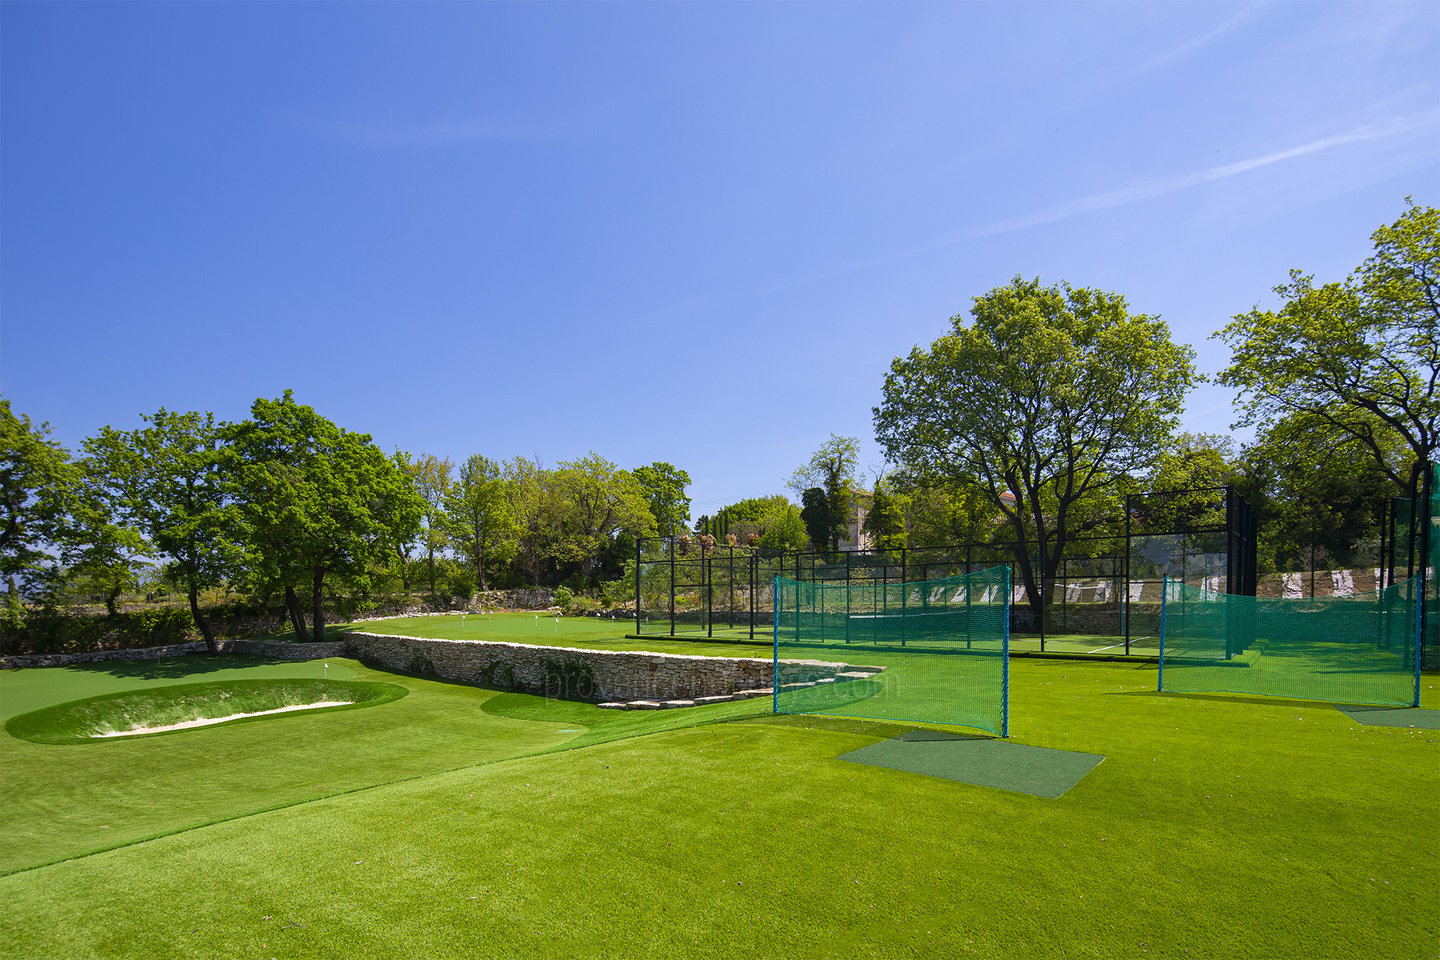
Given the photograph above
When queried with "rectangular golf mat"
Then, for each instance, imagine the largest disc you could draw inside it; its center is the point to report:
(1418, 717)
(981, 761)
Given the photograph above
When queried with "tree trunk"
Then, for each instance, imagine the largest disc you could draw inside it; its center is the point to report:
(480, 564)
(297, 616)
(200, 622)
(430, 557)
(404, 573)
(317, 624)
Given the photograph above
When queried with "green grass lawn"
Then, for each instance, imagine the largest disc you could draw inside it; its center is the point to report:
(460, 822)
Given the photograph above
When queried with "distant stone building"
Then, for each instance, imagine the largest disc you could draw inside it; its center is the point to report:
(855, 537)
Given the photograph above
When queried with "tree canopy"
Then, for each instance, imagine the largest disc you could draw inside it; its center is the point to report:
(1051, 394)
(317, 500)
(885, 521)
(36, 481)
(830, 470)
(664, 489)
(1359, 358)
(167, 481)
(480, 515)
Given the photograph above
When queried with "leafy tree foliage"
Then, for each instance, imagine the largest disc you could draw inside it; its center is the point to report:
(318, 501)
(1358, 359)
(429, 476)
(37, 480)
(784, 529)
(941, 513)
(771, 522)
(1050, 393)
(886, 521)
(1317, 494)
(168, 481)
(664, 488)
(538, 512)
(820, 522)
(600, 501)
(480, 516)
(832, 469)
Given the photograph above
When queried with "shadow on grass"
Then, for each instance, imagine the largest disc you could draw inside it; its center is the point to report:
(879, 729)
(1231, 698)
(174, 668)
(333, 631)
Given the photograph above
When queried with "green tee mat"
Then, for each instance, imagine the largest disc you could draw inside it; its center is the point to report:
(980, 761)
(1419, 718)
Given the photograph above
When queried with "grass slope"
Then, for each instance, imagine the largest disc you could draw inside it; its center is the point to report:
(61, 801)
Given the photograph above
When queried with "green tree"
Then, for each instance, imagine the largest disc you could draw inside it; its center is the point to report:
(664, 486)
(832, 469)
(1052, 394)
(940, 513)
(168, 481)
(600, 501)
(1359, 359)
(37, 481)
(429, 476)
(1182, 483)
(480, 515)
(815, 513)
(318, 501)
(405, 545)
(538, 513)
(784, 529)
(885, 523)
(1317, 494)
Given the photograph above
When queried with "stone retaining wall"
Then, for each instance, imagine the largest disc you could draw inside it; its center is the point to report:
(564, 672)
(279, 650)
(68, 659)
(255, 648)
(576, 674)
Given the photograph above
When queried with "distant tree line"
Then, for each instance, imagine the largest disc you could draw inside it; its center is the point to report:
(1030, 421)
(287, 506)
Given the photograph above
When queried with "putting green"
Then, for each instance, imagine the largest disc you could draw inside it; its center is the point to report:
(981, 761)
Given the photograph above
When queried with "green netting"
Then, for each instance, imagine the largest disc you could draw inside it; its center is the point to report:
(943, 645)
(1353, 649)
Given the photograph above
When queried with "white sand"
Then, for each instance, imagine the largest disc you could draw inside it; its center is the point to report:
(207, 721)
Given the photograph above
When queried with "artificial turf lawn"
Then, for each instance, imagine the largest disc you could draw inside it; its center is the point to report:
(63, 800)
(1216, 827)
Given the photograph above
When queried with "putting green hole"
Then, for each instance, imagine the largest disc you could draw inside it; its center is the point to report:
(124, 716)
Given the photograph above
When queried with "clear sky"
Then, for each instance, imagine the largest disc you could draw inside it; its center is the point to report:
(688, 232)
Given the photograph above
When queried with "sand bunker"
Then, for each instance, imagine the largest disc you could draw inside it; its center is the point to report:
(207, 721)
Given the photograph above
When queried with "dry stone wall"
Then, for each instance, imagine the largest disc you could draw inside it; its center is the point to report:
(256, 648)
(564, 672)
(577, 674)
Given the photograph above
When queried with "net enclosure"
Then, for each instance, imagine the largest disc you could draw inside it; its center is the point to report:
(942, 646)
(1360, 648)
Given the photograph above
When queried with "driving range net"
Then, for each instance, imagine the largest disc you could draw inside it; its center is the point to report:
(943, 646)
(1352, 649)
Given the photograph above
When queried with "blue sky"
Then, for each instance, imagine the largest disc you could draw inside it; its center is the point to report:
(686, 232)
